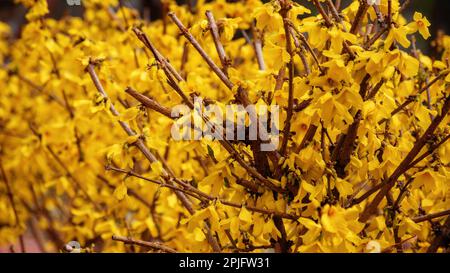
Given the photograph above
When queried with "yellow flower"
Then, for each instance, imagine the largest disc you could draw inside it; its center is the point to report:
(331, 219)
(420, 24)
(267, 16)
(276, 56)
(120, 192)
(229, 26)
(38, 9)
(398, 34)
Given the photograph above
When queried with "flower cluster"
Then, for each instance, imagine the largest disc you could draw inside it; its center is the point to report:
(86, 152)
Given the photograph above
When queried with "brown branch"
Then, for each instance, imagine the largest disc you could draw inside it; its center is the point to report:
(375, 90)
(375, 37)
(241, 95)
(248, 248)
(161, 184)
(139, 143)
(398, 245)
(307, 45)
(219, 47)
(260, 158)
(282, 244)
(367, 32)
(280, 79)
(78, 144)
(158, 56)
(344, 155)
(287, 124)
(188, 188)
(150, 103)
(200, 50)
(184, 60)
(367, 194)
(429, 152)
(299, 51)
(286, 5)
(380, 17)
(152, 245)
(335, 14)
(363, 7)
(431, 216)
(415, 162)
(422, 70)
(403, 190)
(302, 105)
(257, 45)
(357, 189)
(247, 184)
(307, 138)
(389, 15)
(337, 4)
(129, 191)
(323, 13)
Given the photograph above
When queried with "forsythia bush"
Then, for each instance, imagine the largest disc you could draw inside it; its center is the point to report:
(87, 155)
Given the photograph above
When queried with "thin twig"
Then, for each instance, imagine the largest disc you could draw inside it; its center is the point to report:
(197, 46)
(363, 7)
(139, 143)
(305, 42)
(344, 154)
(219, 47)
(204, 196)
(433, 148)
(152, 245)
(257, 44)
(323, 13)
(161, 184)
(287, 124)
(335, 14)
(380, 17)
(375, 37)
(309, 136)
(431, 216)
(150, 103)
(389, 15)
(422, 70)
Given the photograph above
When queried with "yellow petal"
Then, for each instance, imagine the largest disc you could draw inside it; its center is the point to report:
(245, 215)
(120, 192)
